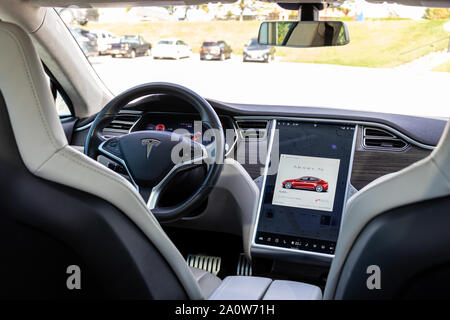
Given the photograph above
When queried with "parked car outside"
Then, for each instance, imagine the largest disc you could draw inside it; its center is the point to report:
(104, 40)
(130, 46)
(309, 183)
(258, 52)
(86, 41)
(213, 50)
(171, 48)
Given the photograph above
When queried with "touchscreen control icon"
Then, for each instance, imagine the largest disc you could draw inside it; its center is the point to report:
(295, 242)
(308, 183)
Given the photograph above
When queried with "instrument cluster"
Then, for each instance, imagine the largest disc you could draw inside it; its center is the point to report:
(185, 126)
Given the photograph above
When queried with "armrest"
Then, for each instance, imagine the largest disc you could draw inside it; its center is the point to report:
(257, 288)
(291, 290)
(241, 288)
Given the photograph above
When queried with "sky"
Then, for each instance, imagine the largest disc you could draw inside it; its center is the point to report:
(377, 10)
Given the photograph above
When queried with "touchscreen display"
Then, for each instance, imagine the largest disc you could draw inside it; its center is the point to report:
(303, 198)
(295, 187)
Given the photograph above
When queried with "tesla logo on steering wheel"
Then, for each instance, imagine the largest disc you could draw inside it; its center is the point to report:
(150, 143)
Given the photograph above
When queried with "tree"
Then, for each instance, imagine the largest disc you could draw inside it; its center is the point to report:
(204, 7)
(244, 4)
(170, 9)
(436, 13)
(347, 6)
(92, 14)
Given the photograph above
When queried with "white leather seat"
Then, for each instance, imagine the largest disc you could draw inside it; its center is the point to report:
(46, 154)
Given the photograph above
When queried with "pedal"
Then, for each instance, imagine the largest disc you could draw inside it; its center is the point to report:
(244, 267)
(207, 263)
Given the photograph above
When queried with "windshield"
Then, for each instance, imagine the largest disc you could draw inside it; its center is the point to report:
(396, 61)
(253, 43)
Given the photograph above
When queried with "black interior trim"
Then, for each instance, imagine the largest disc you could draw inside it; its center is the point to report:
(424, 130)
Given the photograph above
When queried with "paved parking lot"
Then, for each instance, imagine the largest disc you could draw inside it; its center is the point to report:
(404, 91)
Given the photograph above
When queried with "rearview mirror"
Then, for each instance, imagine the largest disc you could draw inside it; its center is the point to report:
(303, 34)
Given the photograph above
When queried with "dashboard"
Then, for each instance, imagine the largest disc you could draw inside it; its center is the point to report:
(324, 156)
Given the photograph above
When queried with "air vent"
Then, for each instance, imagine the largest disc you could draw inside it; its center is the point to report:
(377, 132)
(123, 122)
(253, 129)
(379, 139)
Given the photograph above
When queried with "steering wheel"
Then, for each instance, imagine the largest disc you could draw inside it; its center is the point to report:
(153, 159)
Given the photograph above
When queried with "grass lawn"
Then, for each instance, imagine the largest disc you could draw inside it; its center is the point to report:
(445, 67)
(376, 44)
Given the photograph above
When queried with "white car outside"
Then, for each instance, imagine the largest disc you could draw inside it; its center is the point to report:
(171, 48)
(104, 39)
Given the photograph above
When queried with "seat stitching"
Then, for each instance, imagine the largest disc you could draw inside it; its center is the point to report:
(443, 172)
(70, 157)
(46, 160)
(33, 89)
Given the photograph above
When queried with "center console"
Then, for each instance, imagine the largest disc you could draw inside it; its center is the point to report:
(259, 288)
(304, 190)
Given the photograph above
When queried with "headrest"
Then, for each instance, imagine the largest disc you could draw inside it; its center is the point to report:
(26, 91)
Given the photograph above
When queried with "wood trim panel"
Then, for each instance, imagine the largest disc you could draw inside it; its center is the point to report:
(369, 165)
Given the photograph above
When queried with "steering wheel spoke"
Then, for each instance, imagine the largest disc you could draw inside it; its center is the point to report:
(110, 149)
(179, 167)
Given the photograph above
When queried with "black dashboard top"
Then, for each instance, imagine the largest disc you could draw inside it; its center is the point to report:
(423, 130)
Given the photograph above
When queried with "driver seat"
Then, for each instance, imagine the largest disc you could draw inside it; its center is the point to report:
(70, 227)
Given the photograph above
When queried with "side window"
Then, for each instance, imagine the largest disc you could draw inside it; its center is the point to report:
(61, 106)
(179, 43)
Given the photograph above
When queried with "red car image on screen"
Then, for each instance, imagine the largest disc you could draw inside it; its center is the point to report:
(308, 183)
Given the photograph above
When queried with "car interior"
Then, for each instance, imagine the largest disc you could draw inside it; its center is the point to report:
(128, 189)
